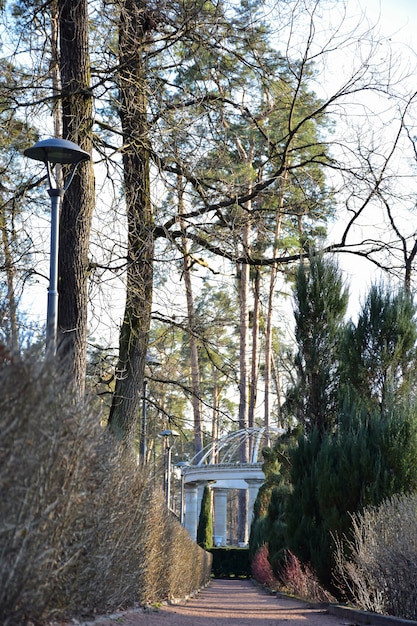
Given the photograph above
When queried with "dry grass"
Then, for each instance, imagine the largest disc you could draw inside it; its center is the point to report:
(82, 529)
(380, 573)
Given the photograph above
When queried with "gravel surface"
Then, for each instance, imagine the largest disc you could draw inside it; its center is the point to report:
(228, 603)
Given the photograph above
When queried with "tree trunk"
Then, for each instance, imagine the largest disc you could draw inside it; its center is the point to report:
(215, 412)
(269, 320)
(244, 272)
(78, 202)
(195, 367)
(255, 347)
(7, 237)
(134, 334)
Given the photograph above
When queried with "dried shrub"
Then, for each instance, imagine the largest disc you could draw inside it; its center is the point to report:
(300, 580)
(82, 529)
(380, 570)
(261, 568)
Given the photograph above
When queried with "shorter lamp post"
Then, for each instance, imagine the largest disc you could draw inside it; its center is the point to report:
(51, 152)
(167, 434)
(182, 465)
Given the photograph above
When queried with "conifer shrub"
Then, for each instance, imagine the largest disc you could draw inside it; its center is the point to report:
(371, 457)
(379, 571)
(268, 523)
(82, 530)
(205, 521)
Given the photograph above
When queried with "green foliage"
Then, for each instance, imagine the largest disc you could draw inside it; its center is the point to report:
(268, 524)
(355, 397)
(370, 458)
(205, 521)
(320, 305)
(230, 562)
(379, 352)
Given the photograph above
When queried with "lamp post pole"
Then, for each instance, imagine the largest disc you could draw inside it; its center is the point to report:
(143, 446)
(166, 434)
(182, 465)
(168, 474)
(52, 152)
(52, 310)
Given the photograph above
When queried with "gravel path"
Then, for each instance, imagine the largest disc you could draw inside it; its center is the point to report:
(228, 603)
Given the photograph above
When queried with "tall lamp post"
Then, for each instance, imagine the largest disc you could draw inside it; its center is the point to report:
(150, 360)
(167, 434)
(51, 152)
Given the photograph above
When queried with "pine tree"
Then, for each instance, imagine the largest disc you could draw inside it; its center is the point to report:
(320, 305)
(368, 453)
(379, 351)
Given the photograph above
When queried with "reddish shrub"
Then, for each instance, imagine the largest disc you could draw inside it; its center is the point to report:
(301, 581)
(261, 568)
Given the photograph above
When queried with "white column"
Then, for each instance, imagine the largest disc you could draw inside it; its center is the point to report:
(220, 515)
(191, 509)
(253, 484)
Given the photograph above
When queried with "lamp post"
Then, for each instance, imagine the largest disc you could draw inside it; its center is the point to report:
(143, 446)
(150, 360)
(167, 434)
(181, 465)
(51, 152)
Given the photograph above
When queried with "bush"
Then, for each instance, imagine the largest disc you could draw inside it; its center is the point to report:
(82, 531)
(261, 568)
(380, 573)
(205, 521)
(301, 581)
(370, 458)
(230, 562)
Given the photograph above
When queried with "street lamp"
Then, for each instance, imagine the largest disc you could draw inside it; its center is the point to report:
(182, 465)
(167, 434)
(51, 152)
(150, 360)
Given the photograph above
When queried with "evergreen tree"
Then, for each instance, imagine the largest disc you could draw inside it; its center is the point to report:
(379, 351)
(320, 305)
(369, 455)
(268, 524)
(205, 521)
(369, 458)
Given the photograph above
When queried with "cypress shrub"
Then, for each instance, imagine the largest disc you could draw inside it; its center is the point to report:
(205, 522)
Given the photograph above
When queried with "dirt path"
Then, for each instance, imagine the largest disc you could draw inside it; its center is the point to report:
(228, 603)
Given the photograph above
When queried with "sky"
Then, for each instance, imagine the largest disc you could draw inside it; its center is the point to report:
(397, 20)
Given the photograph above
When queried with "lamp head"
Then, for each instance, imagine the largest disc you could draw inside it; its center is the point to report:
(169, 433)
(57, 151)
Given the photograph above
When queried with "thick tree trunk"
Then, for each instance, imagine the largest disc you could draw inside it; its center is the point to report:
(78, 202)
(134, 334)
